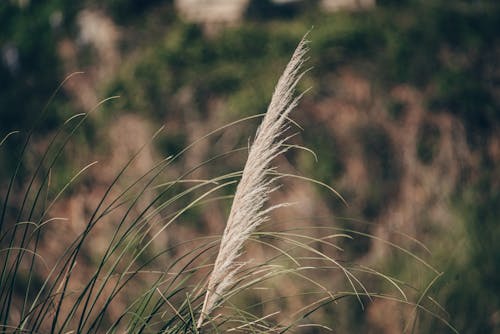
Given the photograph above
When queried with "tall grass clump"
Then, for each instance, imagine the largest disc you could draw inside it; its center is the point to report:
(131, 281)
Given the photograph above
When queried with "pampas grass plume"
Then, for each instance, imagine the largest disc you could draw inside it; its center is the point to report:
(247, 210)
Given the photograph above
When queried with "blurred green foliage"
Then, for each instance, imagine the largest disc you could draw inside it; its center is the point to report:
(473, 286)
(29, 66)
(428, 142)
(384, 171)
(468, 254)
(237, 65)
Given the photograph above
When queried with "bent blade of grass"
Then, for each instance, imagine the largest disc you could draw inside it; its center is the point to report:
(420, 299)
(323, 240)
(392, 230)
(253, 322)
(7, 136)
(386, 242)
(66, 186)
(311, 180)
(352, 279)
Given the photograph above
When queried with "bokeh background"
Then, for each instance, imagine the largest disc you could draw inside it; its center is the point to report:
(403, 113)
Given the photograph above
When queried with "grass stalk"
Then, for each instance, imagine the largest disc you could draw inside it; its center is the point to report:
(247, 211)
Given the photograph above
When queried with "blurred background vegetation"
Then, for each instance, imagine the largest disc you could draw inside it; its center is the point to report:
(404, 115)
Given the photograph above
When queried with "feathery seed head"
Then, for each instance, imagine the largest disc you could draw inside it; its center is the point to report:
(247, 211)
